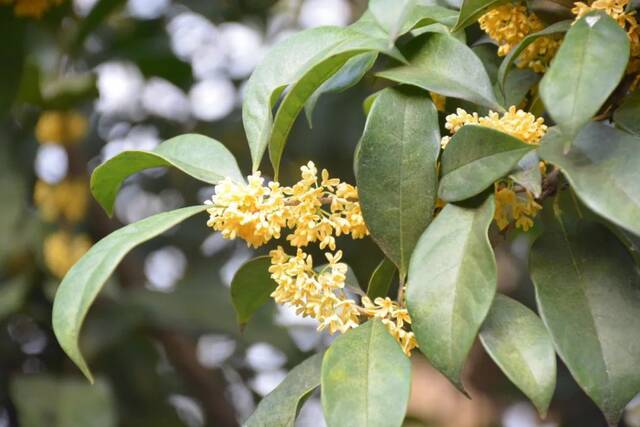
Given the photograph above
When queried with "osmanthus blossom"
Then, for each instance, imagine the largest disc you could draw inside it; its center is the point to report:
(314, 210)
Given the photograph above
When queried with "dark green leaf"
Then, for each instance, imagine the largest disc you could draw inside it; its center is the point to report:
(628, 114)
(396, 171)
(251, 287)
(442, 64)
(381, 279)
(505, 67)
(518, 342)
(588, 66)
(349, 75)
(471, 10)
(280, 407)
(603, 167)
(196, 155)
(365, 379)
(475, 158)
(47, 401)
(81, 285)
(452, 281)
(588, 293)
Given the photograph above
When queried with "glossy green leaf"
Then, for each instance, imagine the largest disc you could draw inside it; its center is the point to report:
(628, 114)
(452, 281)
(425, 14)
(251, 287)
(507, 63)
(594, 54)
(365, 379)
(471, 10)
(47, 401)
(81, 285)
(396, 171)
(349, 75)
(280, 407)
(391, 14)
(440, 63)
(603, 167)
(475, 158)
(588, 294)
(303, 61)
(381, 279)
(518, 342)
(201, 157)
(320, 69)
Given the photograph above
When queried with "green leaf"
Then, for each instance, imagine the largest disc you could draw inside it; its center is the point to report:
(475, 158)
(251, 287)
(528, 174)
(471, 10)
(46, 401)
(518, 342)
(423, 15)
(594, 54)
(603, 167)
(381, 279)
(505, 67)
(452, 281)
(396, 171)
(440, 63)
(518, 84)
(365, 379)
(391, 14)
(201, 157)
(280, 407)
(83, 282)
(349, 75)
(626, 116)
(303, 61)
(588, 293)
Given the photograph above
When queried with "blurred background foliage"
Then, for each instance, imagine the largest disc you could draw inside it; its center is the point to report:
(82, 80)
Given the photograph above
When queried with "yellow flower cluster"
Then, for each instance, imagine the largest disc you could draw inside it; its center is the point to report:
(31, 8)
(627, 20)
(520, 207)
(517, 123)
(258, 213)
(319, 295)
(64, 201)
(394, 317)
(62, 250)
(61, 127)
(508, 24)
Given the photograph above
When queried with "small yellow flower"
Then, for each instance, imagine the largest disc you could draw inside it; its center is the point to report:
(517, 123)
(511, 206)
(60, 127)
(62, 250)
(64, 201)
(508, 24)
(31, 8)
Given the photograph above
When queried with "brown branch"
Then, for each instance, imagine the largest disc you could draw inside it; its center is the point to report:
(207, 385)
